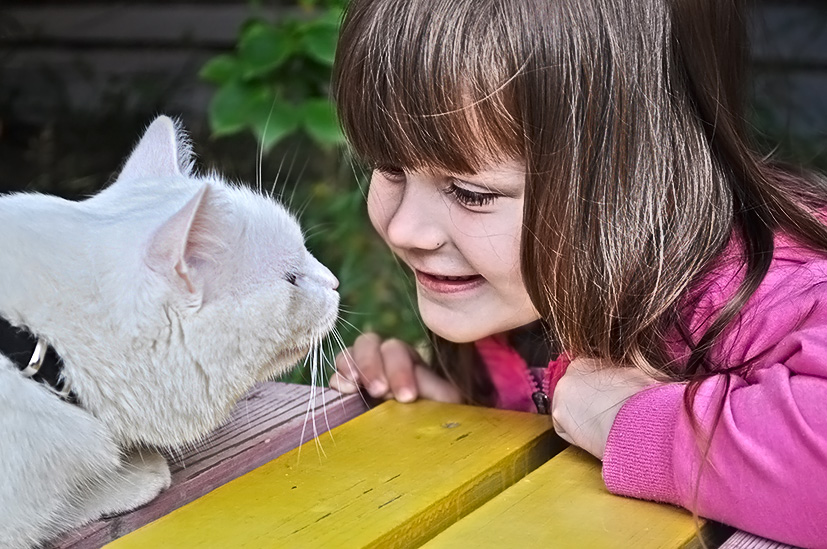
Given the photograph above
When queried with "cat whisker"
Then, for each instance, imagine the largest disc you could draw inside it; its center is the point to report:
(317, 370)
(337, 336)
(322, 358)
(320, 227)
(289, 203)
(351, 363)
(312, 357)
(344, 309)
(285, 178)
(334, 337)
(276, 180)
(319, 449)
(303, 208)
(261, 148)
(351, 325)
(326, 360)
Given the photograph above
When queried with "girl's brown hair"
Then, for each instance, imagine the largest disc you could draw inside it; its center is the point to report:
(629, 116)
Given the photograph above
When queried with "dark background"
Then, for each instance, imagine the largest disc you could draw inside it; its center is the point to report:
(80, 80)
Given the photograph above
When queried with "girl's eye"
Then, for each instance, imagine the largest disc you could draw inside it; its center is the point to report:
(392, 173)
(470, 198)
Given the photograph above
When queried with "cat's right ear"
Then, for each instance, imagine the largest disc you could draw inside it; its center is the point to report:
(163, 151)
(183, 241)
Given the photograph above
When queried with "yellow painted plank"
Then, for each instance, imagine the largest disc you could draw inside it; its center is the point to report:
(392, 477)
(565, 504)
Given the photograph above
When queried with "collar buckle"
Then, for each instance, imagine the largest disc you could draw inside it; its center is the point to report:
(38, 356)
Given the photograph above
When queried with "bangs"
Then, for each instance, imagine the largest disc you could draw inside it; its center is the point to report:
(429, 84)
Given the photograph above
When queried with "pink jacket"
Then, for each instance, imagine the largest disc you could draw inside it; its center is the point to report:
(766, 472)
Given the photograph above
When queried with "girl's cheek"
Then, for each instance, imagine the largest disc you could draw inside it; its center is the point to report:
(380, 207)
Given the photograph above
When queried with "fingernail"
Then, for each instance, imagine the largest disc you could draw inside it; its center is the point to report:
(346, 386)
(405, 395)
(377, 389)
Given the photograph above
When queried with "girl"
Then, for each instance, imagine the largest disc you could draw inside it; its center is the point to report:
(592, 235)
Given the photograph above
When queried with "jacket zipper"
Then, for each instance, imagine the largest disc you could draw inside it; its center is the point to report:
(539, 396)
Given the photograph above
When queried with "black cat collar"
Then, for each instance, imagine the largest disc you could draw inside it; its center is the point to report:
(34, 358)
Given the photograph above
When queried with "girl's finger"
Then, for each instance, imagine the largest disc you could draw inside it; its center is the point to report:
(399, 369)
(564, 435)
(342, 384)
(346, 365)
(433, 387)
(369, 364)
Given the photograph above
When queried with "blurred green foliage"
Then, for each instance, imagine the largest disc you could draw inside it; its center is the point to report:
(275, 85)
(276, 82)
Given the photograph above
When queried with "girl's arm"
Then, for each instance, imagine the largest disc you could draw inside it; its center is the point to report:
(766, 469)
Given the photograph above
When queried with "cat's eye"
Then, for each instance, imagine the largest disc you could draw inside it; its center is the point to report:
(291, 278)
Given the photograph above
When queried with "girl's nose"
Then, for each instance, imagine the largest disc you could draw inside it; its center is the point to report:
(417, 222)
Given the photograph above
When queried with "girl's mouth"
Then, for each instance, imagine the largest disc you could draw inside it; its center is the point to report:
(448, 284)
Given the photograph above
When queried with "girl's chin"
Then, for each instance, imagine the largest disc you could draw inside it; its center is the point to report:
(459, 326)
(457, 338)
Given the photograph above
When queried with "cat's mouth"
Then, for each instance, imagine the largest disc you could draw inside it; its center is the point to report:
(291, 355)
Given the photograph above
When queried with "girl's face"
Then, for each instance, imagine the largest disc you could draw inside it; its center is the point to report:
(460, 234)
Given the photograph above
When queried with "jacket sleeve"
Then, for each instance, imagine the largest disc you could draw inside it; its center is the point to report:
(766, 467)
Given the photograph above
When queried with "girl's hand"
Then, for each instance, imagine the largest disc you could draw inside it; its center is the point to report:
(587, 399)
(389, 369)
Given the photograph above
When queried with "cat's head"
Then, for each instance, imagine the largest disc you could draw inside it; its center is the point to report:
(193, 289)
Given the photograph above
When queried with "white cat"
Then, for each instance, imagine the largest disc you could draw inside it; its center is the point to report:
(167, 296)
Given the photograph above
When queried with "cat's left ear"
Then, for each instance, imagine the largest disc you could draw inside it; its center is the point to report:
(163, 151)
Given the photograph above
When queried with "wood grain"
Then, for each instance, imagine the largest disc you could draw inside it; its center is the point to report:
(272, 419)
(743, 540)
(564, 503)
(393, 477)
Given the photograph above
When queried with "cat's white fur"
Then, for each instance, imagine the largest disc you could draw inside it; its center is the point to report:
(168, 296)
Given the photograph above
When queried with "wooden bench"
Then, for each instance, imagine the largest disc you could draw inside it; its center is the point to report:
(565, 504)
(418, 475)
(272, 419)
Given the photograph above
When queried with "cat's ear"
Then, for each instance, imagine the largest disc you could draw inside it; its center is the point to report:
(163, 151)
(184, 240)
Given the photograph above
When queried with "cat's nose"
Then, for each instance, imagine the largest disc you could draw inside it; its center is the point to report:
(319, 274)
(330, 279)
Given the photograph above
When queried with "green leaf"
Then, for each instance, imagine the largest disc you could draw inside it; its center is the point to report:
(321, 123)
(263, 48)
(319, 41)
(229, 108)
(272, 120)
(334, 14)
(220, 69)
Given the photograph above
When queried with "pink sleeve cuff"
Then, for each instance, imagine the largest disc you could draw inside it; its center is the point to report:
(637, 461)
